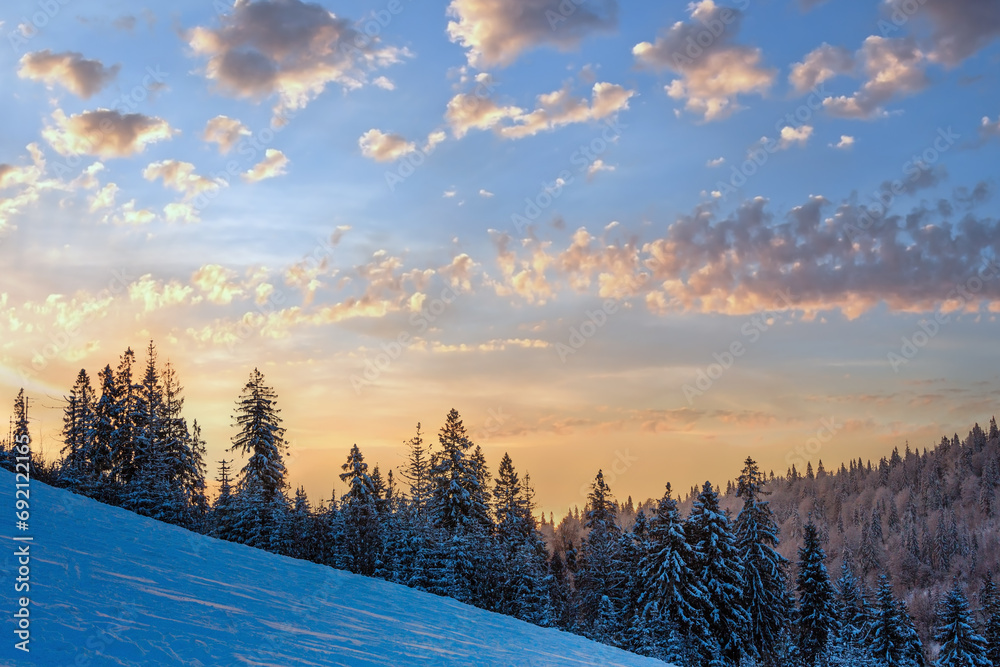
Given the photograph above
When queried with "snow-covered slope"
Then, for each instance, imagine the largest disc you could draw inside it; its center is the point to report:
(109, 587)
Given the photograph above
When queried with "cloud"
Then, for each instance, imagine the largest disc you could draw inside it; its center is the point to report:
(225, 131)
(180, 212)
(288, 49)
(712, 77)
(497, 32)
(960, 27)
(69, 69)
(814, 258)
(104, 133)
(384, 83)
(155, 295)
(598, 166)
(128, 214)
(894, 67)
(485, 193)
(217, 284)
(179, 176)
(717, 162)
(989, 128)
(382, 147)
(794, 135)
(26, 183)
(821, 64)
(467, 112)
(103, 198)
(272, 165)
(560, 108)
(844, 143)
(554, 110)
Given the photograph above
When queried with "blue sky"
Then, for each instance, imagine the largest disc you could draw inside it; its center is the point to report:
(237, 182)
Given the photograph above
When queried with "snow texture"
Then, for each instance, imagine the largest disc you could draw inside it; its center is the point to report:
(109, 587)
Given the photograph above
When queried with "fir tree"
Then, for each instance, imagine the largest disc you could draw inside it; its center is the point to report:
(720, 569)
(454, 479)
(125, 411)
(104, 443)
(669, 578)
(598, 571)
(78, 435)
(817, 615)
(764, 569)
(961, 646)
(890, 633)
(259, 502)
(418, 472)
(222, 509)
(360, 515)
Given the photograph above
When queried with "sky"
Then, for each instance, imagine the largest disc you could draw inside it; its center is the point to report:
(648, 238)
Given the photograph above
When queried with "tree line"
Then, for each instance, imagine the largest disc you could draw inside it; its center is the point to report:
(709, 588)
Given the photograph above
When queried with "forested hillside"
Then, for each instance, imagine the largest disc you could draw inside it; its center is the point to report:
(871, 564)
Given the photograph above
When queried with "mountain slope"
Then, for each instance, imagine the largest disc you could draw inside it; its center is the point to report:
(109, 587)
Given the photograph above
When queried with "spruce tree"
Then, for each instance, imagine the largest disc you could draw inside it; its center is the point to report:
(668, 573)
(418, 472)
(989, 604)
(890, 632)
(961, 646)
(360, 515)
(104, 443)
(598, 572)
(260, 504)
(764, 569)
(817, 614)
(719, 567)
(78, 435)
(222, 508)
(454, 479)
(125, 411)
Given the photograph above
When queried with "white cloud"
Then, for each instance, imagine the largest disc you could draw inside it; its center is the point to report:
(69, 69)
(225, 131)
(711, 77)
(383, 147)
(272, 165)
(496, 32)
(289, 49)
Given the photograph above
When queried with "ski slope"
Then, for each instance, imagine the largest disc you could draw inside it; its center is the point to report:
(109, 587)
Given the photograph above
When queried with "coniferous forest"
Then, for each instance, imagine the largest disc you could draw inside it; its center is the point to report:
(886, 563)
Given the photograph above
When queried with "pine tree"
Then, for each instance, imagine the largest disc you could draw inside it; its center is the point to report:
(598, 571)
(21, 438)
(719, 567)
(222, 509)
(418, 472)
(360, 515)
(454, 479)
(125, 412)
(260, 503)
(669, 576)
(890, 633)
(960, 645)
(104, 443)
(817, 614)
(78, 435)
(852, 607)
(764, 569)
(989, 605)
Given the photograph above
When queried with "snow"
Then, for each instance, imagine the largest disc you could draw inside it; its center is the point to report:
(109, 587)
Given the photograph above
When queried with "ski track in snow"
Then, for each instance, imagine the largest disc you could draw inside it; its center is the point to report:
(109, 587)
